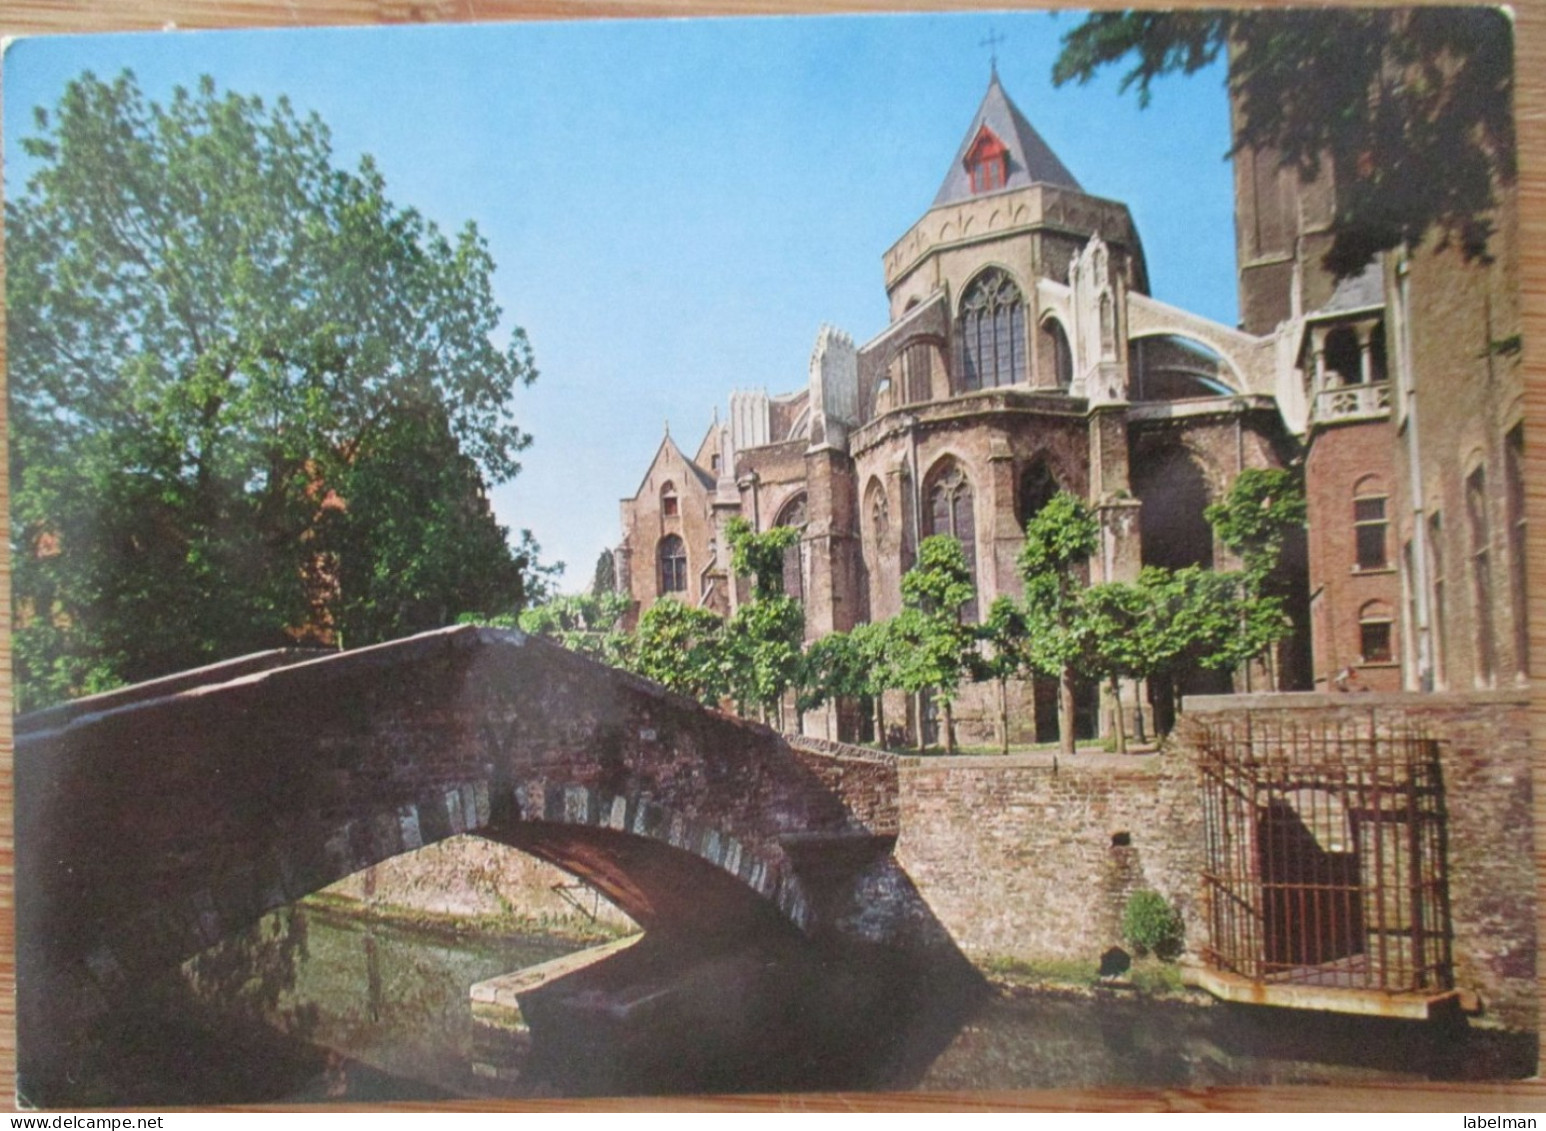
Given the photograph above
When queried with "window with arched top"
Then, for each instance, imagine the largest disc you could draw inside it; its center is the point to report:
(672, 556)
(949, 511)
(1056, 361)
(1376, 634)
(877, 510)
(1172, 526)
(991, 332)
(793, 515)
(1479, 524)
(1341, 356)
(1037, 486)
(669, 506)
(1371, 524)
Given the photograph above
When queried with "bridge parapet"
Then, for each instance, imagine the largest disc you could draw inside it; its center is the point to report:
(866, 780)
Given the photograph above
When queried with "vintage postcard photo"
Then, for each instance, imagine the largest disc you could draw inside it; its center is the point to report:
(939, 552)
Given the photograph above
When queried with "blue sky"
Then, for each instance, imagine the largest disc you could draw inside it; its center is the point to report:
(677, 206)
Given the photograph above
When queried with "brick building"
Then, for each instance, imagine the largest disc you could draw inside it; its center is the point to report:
(1413, 439)
(1024, 355)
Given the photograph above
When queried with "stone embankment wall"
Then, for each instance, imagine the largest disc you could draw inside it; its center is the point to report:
(1019, 860)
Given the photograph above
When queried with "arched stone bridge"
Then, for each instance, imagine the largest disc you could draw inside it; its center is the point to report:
(157, 820)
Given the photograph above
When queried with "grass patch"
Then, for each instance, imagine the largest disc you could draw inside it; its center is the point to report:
(1147, 976)
(1056, 971)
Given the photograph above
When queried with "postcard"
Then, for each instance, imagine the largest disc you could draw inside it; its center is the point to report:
(617, 558)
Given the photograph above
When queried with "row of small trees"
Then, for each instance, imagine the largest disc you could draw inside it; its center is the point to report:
(1156, 628)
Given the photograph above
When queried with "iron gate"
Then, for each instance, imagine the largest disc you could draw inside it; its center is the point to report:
(1326, 854)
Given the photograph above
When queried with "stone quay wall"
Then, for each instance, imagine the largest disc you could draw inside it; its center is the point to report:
(1022, 861)
(1018, 861)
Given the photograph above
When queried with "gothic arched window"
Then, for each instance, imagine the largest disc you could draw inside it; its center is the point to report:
(991, 330)
(793, 515)
(673, 565)
(668, 501)
(950, 512)
(1037, 486)
(1376, 644)
(1057, 360)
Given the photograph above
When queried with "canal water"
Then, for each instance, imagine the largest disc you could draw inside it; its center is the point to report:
(314, 1005)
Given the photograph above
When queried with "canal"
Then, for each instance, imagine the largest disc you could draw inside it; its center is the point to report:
(316, 1005)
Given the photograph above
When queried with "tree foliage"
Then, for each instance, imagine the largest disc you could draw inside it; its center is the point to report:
(765, 634)
(1059, 540)
(930, 646)
(760, 556)
(683, 647)
(1410, 109)
(1003, 654)
(584, 623)
(216, 339)
(604, 578)
(1255, 520)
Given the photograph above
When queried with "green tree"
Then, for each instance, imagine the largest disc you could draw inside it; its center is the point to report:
(1115, 618)
(214, 336)
(410, 542)
(583, 623)
(762, 642)
(1059, 540)
(1258, 516)
(1195, 618)
(932, 648)
(1004, 654)
(1264, 509)
(765, 634)
(683, 647)
(1411, 108)
(604, 579)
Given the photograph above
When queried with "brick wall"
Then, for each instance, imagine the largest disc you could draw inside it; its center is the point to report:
(1344, 461)
(1019, 861)
(1486, 766)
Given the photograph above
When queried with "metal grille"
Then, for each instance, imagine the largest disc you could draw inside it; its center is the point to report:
(1326, 854)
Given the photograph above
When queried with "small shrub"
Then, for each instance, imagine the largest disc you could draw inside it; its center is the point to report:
(1151, 924)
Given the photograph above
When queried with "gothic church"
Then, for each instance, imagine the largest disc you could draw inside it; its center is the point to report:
(1024, 356)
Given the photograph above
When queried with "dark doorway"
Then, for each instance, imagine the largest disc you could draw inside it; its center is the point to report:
(1312, 894)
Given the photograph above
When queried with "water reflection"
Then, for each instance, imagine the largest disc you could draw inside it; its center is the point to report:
(314, 1005)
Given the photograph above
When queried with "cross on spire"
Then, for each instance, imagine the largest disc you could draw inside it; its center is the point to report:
(991, 43)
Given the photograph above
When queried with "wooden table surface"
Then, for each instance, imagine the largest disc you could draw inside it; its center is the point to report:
(26, 17)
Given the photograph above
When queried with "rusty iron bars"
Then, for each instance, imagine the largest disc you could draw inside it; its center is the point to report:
(1326, 853)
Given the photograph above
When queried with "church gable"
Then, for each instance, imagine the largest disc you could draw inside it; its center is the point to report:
(670, 466)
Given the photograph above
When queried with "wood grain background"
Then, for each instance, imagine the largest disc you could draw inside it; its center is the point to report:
(30, 17)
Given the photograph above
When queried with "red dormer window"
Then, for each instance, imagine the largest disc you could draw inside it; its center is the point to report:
(987, 162)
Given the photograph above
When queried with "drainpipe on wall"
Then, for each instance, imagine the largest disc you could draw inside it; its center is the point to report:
(1414, 473)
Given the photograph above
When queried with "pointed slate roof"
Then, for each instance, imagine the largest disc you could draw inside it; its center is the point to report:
(1031, 160)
